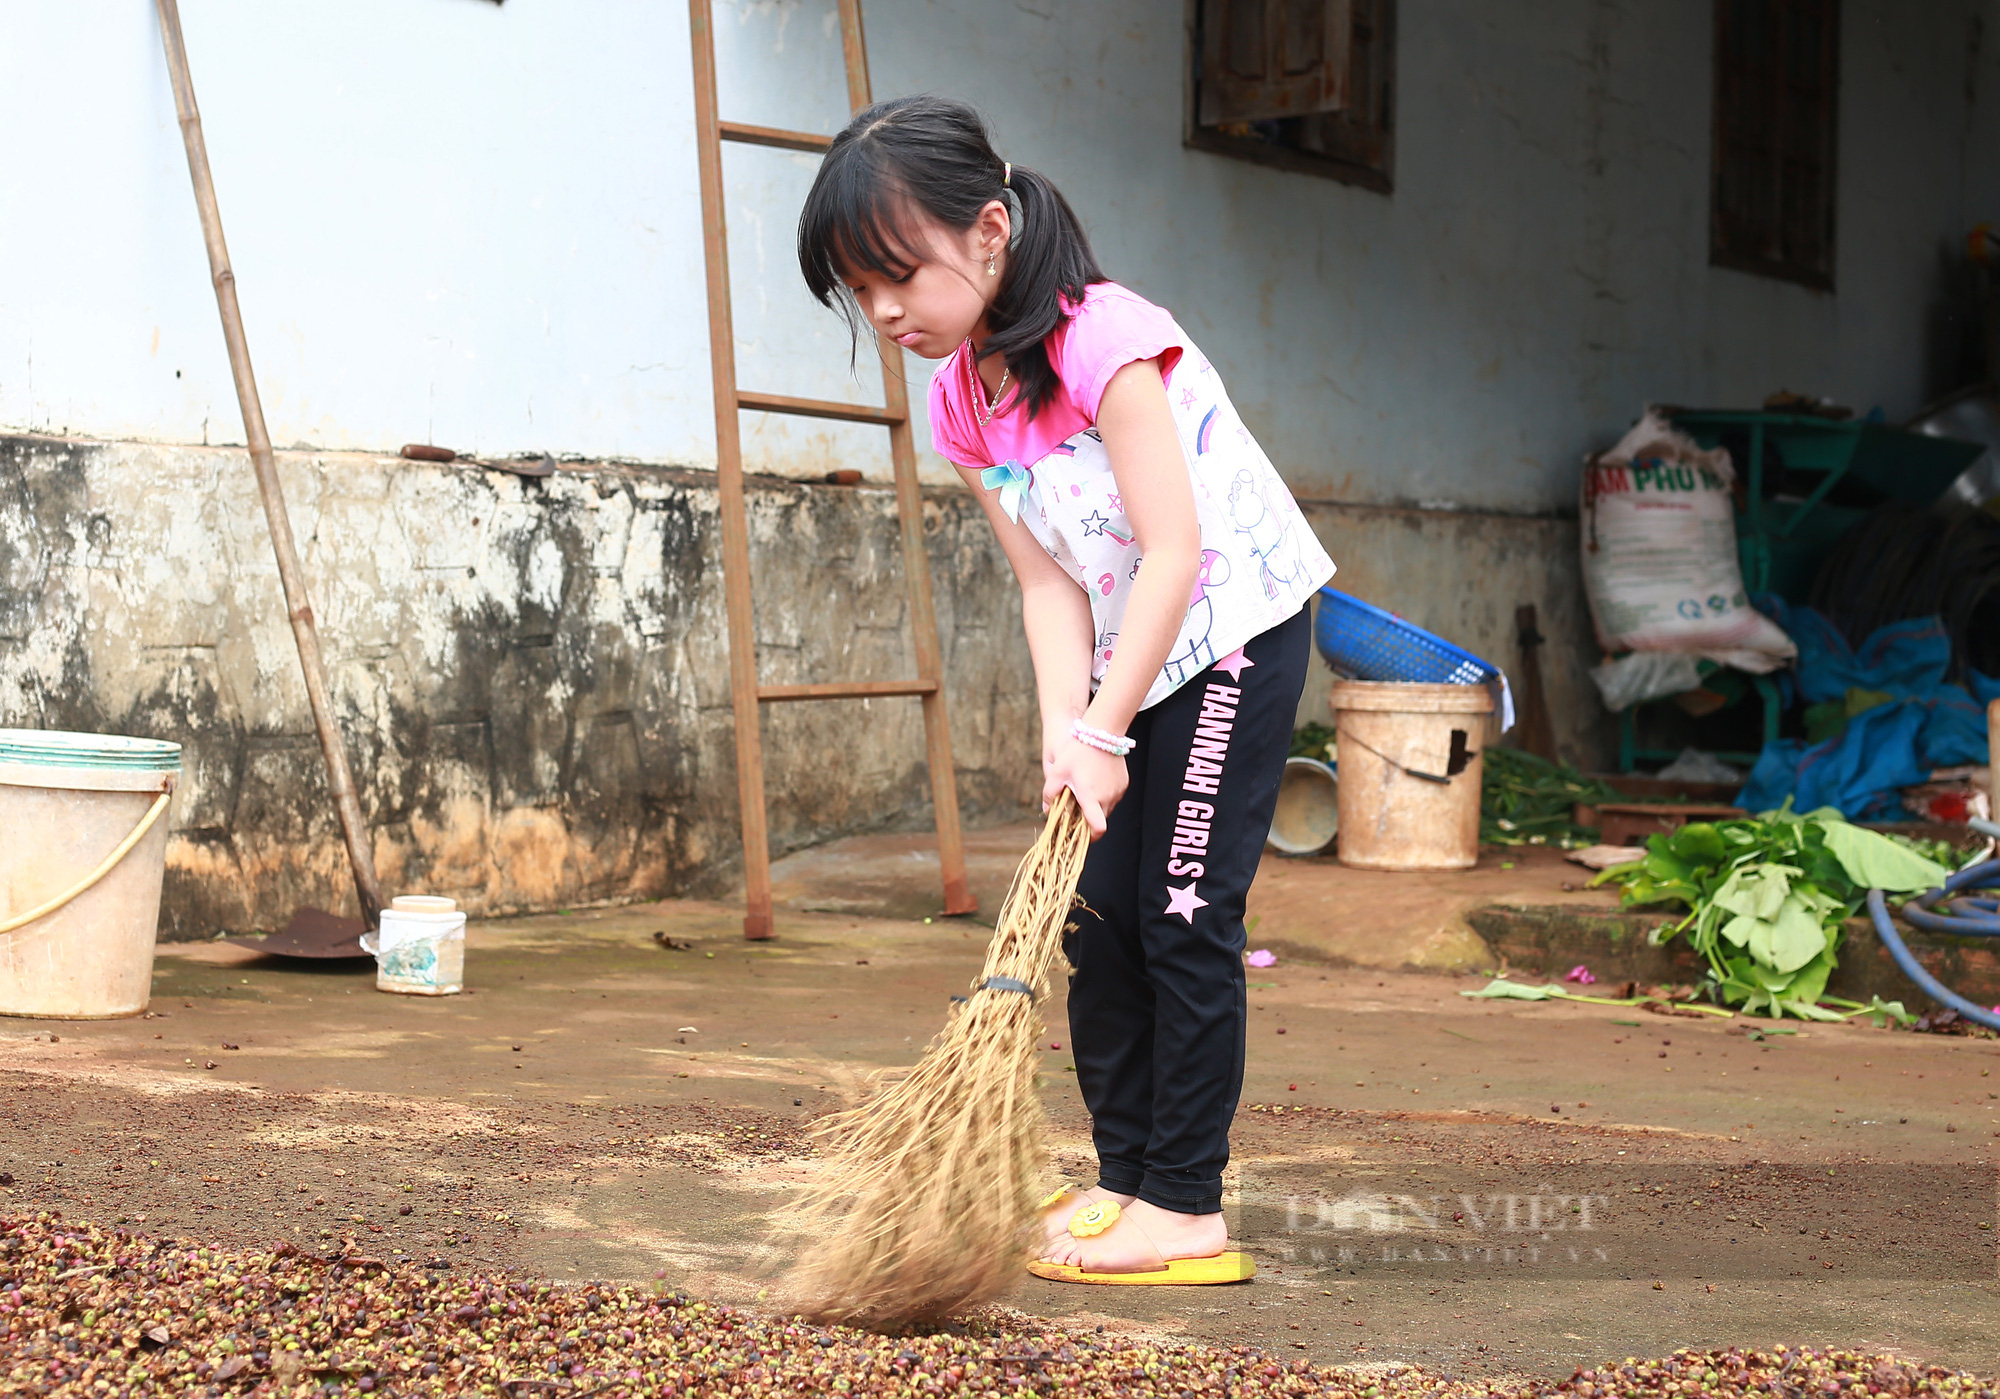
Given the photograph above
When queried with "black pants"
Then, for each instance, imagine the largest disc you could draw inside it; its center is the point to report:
(1156, 1003)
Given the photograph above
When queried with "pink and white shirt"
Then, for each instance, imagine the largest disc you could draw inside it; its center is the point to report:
(1260, 561)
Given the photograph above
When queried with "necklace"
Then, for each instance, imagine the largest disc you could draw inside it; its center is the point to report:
(994, 403)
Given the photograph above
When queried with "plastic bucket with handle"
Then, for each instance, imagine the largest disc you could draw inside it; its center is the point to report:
(1410, 768)
(84, 854)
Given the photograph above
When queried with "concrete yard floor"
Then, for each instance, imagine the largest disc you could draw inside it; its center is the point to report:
(1483, 1188)
(1313, 905)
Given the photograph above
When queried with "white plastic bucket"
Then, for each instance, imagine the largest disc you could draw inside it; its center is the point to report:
(419, 949)
(1307, 815)
(83, 851)
(1410, 767)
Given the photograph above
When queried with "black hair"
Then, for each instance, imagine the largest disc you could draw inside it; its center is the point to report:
(932, 154)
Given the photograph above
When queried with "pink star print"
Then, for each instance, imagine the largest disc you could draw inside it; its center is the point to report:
(1184, 901)
(1114, 501)
(1235, 663)
(1187, 398)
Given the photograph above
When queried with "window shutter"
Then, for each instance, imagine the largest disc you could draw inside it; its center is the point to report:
(1263, 59)
(1777, 82)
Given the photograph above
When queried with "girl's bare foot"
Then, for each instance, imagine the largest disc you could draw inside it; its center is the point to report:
(1056, 1217)
(1145, 1238)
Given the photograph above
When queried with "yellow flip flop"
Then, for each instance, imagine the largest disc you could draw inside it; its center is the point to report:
(1056, 1196)
(1182, 1272)
(1095, 1218)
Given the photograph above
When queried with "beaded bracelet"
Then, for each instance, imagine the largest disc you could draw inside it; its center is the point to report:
(1104, 741)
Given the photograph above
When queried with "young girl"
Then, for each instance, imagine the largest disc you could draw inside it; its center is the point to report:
(1164, 573)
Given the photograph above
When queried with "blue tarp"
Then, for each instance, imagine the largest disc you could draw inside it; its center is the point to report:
(1927, 723)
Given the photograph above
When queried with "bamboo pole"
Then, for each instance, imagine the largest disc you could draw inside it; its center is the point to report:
(297, 602)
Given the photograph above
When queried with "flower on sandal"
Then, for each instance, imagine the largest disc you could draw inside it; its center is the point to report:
(1094, 1218)
(1054, 1195)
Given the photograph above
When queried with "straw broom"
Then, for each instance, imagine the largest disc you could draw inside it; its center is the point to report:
(933, 1183)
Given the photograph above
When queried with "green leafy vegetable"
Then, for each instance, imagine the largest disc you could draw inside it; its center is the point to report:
(1874, 861)
(1767, 899)
(1501, 989)
(1314, 741)
(1525, 800)
(1877, 1010)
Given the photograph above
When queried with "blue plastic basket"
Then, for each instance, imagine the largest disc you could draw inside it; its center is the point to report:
(1362, 642)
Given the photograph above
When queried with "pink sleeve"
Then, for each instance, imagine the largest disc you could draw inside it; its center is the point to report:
(945, 440)
(1113, 328)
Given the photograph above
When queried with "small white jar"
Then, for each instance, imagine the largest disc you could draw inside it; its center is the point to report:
(420, 948)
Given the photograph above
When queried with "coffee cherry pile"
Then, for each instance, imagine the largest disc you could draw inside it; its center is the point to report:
(1783, 1373)
(87, 1311)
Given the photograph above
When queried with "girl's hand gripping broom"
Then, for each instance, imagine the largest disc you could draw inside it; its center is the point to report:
(932, 1184)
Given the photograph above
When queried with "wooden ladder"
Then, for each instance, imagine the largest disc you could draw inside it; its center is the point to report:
(746, 693)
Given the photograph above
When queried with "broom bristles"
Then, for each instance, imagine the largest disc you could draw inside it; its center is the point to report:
(932, 1183)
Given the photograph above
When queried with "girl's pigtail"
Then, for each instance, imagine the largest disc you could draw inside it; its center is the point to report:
(1051, 263)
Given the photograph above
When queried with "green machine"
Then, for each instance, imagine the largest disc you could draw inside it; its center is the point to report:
(1809, 478)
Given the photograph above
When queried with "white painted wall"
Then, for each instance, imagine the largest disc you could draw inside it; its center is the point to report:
(480, 225)
(445, 218)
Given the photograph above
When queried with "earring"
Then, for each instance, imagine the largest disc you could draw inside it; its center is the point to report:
(991, 270)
